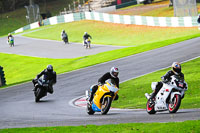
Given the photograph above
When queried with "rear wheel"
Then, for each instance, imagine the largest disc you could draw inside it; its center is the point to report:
(106, 105)
(175, 104)
(150, 108)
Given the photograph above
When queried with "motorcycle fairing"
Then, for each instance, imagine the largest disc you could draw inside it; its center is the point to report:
(161, 98)
(98, 95)
(95, 108)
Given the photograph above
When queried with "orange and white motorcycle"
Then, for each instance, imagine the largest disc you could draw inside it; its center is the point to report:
(169, 97)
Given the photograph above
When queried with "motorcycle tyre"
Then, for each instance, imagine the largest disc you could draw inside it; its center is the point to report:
(175, 109)
(38, 95)
(104, 110)
(89, 109)
(152, 111)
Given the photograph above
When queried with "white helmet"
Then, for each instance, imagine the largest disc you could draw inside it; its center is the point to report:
(114, 72)
(85, 33)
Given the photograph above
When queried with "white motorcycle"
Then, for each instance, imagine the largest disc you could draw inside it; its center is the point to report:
(169, 97)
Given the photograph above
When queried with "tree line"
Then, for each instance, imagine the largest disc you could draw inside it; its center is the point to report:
(11, 5)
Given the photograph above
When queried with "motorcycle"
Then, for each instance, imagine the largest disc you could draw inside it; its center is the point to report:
(87, 43)
(42, 86)
(65, 40)
(102, 98)
(11, 41)
(169, 97)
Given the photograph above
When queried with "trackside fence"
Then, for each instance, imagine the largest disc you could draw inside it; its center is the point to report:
(113, 18)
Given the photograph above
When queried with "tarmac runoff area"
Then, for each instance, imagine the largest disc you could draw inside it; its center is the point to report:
(50, 49)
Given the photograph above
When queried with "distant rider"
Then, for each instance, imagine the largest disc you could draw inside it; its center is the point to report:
(64, 36)
(50, 75)
(113, 74)
(176, 70)
(85, 37)
(10, 36)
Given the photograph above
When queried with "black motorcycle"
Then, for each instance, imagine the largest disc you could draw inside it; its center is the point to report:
(65, 40)
(42, 86)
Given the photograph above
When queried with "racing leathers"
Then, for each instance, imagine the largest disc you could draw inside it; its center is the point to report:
(165, 79)
(48, 75)
(85, 37)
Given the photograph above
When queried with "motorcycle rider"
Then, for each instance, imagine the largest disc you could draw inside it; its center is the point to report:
(50, 75)
(64, 36)
(85, 37)
(113, 74)
(176, 70)
(9, 36)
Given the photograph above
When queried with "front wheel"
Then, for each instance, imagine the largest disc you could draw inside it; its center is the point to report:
(38, 94)
(150, 109)
(106, 105)
(175, 104)
(89, 109)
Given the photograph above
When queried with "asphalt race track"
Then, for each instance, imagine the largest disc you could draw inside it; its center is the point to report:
(18, 109)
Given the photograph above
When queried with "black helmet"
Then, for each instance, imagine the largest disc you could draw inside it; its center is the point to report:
(176, 68)
(114, 72)
(49, 68)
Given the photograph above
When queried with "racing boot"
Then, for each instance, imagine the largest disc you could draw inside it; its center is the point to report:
(151, 101)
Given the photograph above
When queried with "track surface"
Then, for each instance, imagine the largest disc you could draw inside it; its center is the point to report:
(18, 109)
(50, 49)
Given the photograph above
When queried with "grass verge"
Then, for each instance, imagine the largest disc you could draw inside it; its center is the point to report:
(132, 92)
(184, 127)
(113, 34)
(26, 67)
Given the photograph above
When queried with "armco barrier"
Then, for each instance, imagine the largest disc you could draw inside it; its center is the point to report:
(121, 19)
(2, 77)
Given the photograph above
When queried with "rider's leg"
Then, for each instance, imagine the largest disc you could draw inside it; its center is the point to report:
(34, 84)
(50, 89)
(158, 87)
(94, 89)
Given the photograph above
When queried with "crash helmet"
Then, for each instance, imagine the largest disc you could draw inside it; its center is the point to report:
(176, 68)
(114, 72)
(85, 33)
(49, 68)
(63, 30)
(9, 34)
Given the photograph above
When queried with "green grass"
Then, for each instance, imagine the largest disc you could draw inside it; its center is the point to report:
(113, 34)
(26, 67)
(183, 127)
(132, 92)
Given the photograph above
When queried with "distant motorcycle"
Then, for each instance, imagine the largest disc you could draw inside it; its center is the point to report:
(87, 43)
(102, 98)
(65, 40)
(11, 41)
(42, 86)
(169, 97)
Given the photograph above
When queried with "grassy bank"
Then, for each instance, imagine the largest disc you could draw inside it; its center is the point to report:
(184, 127)
(15, 73)
(113, 34)
(132, 92)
